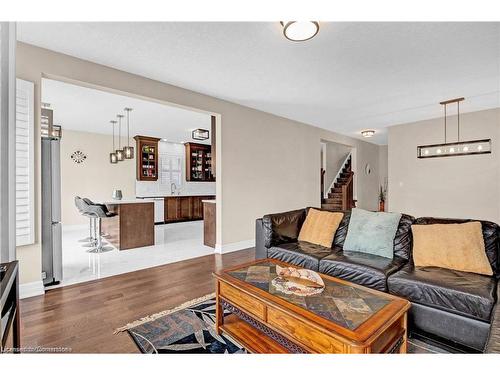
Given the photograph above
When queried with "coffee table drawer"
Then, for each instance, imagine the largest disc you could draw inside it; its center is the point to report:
(244, 301)
(303, 333)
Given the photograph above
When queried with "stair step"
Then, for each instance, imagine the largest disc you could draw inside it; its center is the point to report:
(337, 196)
(333, 200)
(331, 207)
(336, 190)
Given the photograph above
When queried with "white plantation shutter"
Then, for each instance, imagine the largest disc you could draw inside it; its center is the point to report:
(25, 204)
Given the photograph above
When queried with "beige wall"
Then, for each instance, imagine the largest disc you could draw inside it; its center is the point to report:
(461, 186)
(265, 163)
(95, 178)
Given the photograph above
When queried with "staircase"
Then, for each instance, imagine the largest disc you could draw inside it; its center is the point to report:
(340, 196)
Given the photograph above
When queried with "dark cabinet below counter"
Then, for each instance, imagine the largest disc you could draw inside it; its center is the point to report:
(182, 208)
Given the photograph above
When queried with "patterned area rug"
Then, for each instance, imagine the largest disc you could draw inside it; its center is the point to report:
(190, 328)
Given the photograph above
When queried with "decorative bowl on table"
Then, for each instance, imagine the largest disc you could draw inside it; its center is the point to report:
(297, 281)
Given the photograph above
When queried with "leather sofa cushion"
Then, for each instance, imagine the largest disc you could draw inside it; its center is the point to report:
(282, 227)
(320, 227)
(457, 247)
(467, 294)
(301, 253)
(493, 343)
(402, 240)
(490, 236)
(361, 268)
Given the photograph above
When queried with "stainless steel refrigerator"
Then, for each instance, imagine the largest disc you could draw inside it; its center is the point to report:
(52, 272)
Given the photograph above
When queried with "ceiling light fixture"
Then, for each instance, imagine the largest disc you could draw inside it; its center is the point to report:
(128, 150)
(119, 152)
(480, 146)
(112, 155)
(299, 31)
(200, 134)
(368, 133)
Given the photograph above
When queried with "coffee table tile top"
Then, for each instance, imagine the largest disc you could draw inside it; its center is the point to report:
(341, 304)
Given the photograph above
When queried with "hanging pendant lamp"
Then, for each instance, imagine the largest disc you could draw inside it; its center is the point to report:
(119, 151)
(458, 148)
(128, 150)
(112, 155)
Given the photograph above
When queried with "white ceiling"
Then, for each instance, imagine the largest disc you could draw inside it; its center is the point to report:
(350, 77)
(89, 110)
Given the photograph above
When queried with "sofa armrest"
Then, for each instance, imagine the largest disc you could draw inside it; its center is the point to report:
(260, 249)
(282, 227)
(493, 343)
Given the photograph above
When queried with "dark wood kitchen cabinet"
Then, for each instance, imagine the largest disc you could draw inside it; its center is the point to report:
(185, 208)
(146, 158)
(199, 162)
(198, 208)
(182, 208)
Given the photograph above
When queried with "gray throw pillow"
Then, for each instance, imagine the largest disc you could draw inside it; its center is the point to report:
(372, 232)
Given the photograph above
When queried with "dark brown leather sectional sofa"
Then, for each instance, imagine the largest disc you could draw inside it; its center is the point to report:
(457, 308)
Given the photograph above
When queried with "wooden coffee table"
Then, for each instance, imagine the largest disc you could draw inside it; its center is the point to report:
(342, 318)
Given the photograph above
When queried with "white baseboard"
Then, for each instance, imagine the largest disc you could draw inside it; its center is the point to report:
(31, 289)
(234, 246)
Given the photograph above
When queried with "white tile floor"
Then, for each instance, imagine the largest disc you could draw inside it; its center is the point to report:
(173, 242)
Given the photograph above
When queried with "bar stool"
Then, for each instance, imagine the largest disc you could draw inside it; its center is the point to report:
(104, 208)
(91, 240)
(98, 212)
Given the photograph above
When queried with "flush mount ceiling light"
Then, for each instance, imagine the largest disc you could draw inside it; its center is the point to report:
(368, 133)
(200, 134)
(299, 31)
(458, 148)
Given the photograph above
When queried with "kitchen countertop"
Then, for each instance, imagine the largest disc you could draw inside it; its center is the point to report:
(130, 200)
(209, 201)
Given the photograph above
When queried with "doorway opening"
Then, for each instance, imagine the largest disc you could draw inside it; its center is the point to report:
(109, 209)
(338, 181)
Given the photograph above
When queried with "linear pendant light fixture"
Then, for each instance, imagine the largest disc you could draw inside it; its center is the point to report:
(128, 150)
(112, 155)
(119, 151)
(458, 148)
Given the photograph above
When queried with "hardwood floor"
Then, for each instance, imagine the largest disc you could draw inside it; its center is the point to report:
(83, 316)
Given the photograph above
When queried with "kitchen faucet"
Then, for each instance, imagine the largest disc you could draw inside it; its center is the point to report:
(173, 188)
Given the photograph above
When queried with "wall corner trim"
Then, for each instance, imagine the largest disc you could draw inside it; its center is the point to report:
(234, 246)
(31, 289)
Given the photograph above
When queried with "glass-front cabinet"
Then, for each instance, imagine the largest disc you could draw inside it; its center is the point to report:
(147, 158)
(199, 162)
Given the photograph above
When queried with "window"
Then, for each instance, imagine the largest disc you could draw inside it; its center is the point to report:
(24, 163)
(170, 170)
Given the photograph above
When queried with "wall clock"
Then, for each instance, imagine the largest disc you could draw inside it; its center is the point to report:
(78, 157)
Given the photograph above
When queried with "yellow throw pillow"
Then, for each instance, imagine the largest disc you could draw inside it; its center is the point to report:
(454, 246)
(320, 227)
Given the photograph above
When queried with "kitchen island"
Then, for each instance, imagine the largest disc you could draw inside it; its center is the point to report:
(209, 228)
(133, 225)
